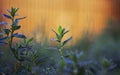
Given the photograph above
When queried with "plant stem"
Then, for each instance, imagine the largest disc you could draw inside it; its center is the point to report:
(60, 50)
(11, 42)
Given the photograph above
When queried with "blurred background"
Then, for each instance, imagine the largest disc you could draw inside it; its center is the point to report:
(78, 16)
(93, 24)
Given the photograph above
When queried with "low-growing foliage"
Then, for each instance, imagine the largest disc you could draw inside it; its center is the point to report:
(25, 58)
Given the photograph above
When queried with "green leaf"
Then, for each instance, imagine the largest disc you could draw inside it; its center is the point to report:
(58, 40)
(21, 18)
(15, 27)
(29, 40)
(7, 31)
(64, 33)
(105, 62)
(60, 30)
(63, 30)
(66, 41)
(57, 35)
(13, 11)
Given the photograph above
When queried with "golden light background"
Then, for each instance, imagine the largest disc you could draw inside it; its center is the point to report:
(77, 16)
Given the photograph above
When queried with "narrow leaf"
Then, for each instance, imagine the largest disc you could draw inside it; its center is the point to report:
(40, 60)
(63, 30)
(24, 48)
(57, 35)
(7, 16)
(60, 29)
(16, 21)
(64, 33)
(58, 40)
(2, 42)
(9, 10)
(15, 27)
(19, 36)
(3, 23)
(3, 38)
(29, 40)
(21, 18)
(66, 41)
(7, 31)
(16, 9)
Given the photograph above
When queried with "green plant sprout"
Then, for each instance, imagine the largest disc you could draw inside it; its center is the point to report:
(59, 36)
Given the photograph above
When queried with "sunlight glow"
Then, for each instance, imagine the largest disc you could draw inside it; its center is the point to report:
(77, 16)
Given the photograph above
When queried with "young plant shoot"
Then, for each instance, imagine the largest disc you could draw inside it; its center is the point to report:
(59, 36)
